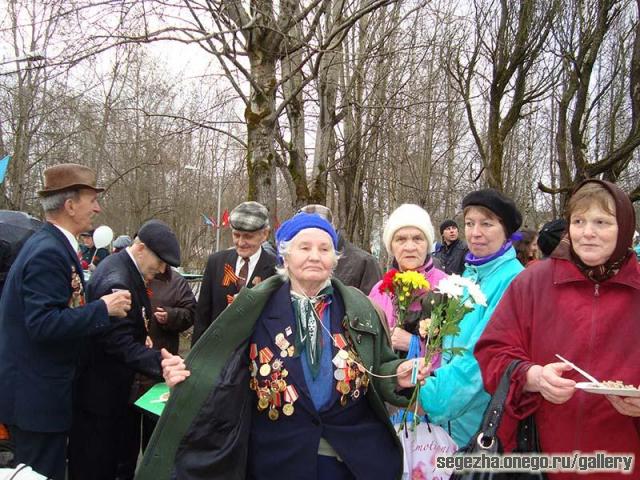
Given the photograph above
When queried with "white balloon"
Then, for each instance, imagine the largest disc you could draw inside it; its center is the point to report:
(102, 236)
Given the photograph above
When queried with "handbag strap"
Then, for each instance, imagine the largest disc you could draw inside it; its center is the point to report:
(495, 409)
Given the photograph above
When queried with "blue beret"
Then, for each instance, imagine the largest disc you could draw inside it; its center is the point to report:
(299, 222)
(161, 240)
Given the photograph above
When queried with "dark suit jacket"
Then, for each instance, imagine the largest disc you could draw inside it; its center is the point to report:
(41, 335)
(106, 376)
(213, 295)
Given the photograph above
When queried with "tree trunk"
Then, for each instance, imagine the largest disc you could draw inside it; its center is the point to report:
(259, 116)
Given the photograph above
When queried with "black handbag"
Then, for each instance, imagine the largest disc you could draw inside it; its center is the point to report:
(486, 439)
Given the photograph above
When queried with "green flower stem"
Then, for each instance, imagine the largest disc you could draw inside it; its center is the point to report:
(412, 401)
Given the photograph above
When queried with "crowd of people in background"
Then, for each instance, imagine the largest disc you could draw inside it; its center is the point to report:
(297, 351)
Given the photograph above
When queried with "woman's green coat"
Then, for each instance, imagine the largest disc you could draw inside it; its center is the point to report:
(217, 365)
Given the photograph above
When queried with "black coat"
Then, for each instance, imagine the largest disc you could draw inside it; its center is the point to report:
(104, 384)
(214, 296)
(357, 268)
(451, 257)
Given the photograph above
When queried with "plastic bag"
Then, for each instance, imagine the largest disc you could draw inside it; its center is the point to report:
(21, 472)
(421, 447)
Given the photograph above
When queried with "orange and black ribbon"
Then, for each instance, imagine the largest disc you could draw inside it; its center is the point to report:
(229, 276)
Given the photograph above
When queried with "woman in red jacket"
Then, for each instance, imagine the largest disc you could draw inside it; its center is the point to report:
(583, 304)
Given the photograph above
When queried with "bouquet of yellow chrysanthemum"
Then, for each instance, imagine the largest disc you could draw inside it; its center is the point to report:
(453, 298)
(406, 289)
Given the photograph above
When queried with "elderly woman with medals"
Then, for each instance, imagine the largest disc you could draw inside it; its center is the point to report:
(289, 382)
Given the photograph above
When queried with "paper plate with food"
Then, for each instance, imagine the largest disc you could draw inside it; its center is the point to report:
(610, 387)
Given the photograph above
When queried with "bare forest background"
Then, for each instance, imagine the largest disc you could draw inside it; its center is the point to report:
(357, 104)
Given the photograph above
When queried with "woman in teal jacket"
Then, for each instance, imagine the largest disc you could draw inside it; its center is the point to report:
(454, 396)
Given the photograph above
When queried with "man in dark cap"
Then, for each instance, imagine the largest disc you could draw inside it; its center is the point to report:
(44, 320)
(103, 416)
(452, 250)
(356, 267)
(246, 265)
(550, 235)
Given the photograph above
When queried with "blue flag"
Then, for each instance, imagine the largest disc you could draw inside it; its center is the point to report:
(4, 163)
(207, 220)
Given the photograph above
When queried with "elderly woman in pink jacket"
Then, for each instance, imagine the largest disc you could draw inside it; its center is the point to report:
(409, 238)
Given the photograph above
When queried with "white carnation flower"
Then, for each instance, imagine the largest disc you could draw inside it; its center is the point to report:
(449, 286)
(454, 286)
(476, 293)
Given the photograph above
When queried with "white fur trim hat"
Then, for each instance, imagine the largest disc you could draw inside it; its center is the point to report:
(408, 215)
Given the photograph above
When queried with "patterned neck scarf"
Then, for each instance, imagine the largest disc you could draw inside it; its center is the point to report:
(596, 274)
(309, 311)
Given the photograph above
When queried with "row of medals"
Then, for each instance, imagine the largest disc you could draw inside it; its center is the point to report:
(351, 378)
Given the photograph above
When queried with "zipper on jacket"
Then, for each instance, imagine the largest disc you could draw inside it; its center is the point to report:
(580, 409)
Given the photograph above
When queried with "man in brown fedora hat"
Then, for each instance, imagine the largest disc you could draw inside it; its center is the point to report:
(69, 177)
(44, 319)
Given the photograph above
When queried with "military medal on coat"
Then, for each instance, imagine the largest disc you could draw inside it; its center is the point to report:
(143, 312)
(268, 379)
(351, 378)
(229, 278)
(77, 291)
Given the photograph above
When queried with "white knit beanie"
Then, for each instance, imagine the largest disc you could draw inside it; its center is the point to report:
(409, 215)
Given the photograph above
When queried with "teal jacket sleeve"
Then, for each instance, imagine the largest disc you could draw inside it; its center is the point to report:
(447, 394)
(458, 382)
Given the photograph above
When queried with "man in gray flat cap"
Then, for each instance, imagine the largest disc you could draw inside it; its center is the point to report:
(106, 428)
(120, 243)
(227, 271)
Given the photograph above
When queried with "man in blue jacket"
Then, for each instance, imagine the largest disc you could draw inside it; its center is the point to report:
(44, 318)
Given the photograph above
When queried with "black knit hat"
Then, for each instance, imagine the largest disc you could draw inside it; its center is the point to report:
(161, 240)
(446, 224)
(550, 235)
(499, 204)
